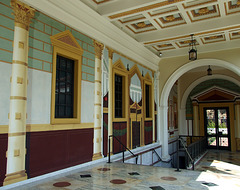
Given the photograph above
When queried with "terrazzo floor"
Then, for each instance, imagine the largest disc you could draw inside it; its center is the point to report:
(217, 170)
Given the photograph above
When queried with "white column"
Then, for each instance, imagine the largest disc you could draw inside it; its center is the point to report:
(110, 96)
(18, 100)
(164, 132)
(97, 101)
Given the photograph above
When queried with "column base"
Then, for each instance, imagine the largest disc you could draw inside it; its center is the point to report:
(15, 177)
(166, 157)
(97, 156)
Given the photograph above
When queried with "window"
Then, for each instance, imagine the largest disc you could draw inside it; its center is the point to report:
(66, 79)
(118, 96)
(64, 90)
(148, 100)
(147, 88)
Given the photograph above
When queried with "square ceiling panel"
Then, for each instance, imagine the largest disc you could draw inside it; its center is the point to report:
(195, 3)
(234, 34)
(170, 20)
(140, 27)
(213, 38)
(163, 46)
(203, 13)
(186, 42)
(167, 10)
(132, 19)
(232, 7)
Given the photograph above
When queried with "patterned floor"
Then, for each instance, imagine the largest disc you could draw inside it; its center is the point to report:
(217, 170)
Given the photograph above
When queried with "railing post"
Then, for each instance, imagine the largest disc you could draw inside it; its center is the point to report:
(178, 156)
(109, 149)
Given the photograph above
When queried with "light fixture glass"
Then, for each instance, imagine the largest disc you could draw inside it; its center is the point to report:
(209, 71)
(192, 50)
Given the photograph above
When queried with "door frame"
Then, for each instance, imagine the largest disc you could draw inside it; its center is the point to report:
(217, 127)
(230, 106)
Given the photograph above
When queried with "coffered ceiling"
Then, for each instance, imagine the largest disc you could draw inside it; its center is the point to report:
(141, 29)
(165, 25)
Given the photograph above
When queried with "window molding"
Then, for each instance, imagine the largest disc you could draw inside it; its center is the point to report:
(148, 81)
(119, 69)
(65, 45)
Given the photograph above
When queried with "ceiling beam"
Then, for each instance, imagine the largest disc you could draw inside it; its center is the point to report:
(196, 28)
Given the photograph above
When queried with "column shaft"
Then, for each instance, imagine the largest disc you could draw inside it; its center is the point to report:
(18, 100)
(97, 101)
(110, 97)
(195, 119)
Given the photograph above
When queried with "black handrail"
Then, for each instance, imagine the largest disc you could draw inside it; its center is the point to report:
(193, 150)
(180, 139)
(109, 149)
(159, 158)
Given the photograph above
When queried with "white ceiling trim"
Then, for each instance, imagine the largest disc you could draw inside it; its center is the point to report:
(84, 19)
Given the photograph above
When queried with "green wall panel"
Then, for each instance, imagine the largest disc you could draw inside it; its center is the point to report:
(6, 44)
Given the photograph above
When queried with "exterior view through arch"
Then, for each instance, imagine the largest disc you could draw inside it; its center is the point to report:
(163, 105)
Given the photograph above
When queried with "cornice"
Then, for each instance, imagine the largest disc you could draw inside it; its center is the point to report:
(79, 16)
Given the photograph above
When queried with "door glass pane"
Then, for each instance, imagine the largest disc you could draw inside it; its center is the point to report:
(223, 141)
(212, 141)
(222, 122)
(211, 127)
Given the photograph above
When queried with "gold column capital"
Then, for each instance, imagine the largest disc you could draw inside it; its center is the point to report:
(23, 14)
(98, 46)
(110, 52)
(194, 102)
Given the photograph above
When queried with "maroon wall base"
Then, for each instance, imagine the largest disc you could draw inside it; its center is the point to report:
(148, 132)
(105, 134)
(54, 150)
(119, 131)
(3, 159)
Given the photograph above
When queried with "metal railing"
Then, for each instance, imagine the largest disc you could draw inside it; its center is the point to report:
(194, 147)
(109, 149)
(159, 158)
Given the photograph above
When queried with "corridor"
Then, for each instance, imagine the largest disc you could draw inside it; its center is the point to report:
(217, 170)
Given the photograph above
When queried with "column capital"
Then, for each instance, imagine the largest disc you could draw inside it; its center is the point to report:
(23, 14)
(110, 52)
(194, 102)
(98, 46)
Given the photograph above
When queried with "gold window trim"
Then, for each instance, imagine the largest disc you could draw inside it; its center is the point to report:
(64, 44)
(148, 81)
(119, 69)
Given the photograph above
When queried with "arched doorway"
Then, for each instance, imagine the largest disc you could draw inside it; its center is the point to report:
(163, 105)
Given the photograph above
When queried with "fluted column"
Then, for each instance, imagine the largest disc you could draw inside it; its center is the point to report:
(195, 118)
(110, 96)
(18, 100)
(97, 101)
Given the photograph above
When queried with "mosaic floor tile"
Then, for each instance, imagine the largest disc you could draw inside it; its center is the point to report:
(118, 181)
(218, 174)
(62, 184)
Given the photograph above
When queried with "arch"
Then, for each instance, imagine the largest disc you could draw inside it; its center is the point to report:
(200, 80)
(189, 66)
(163, 104)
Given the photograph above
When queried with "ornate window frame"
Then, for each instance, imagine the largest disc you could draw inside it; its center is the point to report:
(64, 44)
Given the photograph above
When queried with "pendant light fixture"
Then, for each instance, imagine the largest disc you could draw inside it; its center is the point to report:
(209, 71)
(192, 49)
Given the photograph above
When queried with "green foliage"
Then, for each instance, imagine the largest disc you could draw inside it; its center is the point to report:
(211, 124)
